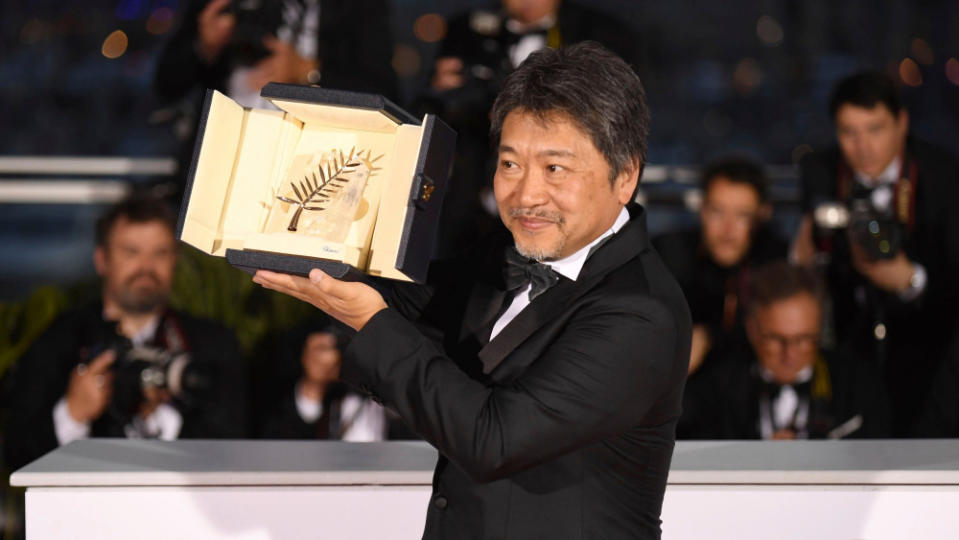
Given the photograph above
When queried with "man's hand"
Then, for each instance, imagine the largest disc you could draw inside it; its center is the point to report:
(283, 65)
(351, 303)
(700, 346)
(449, 73)
(784, 435)
(215, 29)
(153, 398)
(891, 275)
(90, 388)
(803, 249)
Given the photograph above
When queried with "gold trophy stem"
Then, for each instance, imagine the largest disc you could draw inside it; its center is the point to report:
(296, 219)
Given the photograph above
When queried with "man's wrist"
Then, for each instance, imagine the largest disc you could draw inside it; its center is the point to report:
(916, 285)
(66, 427)
(310, 73)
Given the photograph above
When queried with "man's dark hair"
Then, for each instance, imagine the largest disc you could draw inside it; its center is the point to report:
(779, 280)
(739, 171)
(866, 89)
(136, 209)
(592, 86)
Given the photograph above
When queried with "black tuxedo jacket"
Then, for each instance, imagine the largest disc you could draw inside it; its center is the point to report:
(560, 427)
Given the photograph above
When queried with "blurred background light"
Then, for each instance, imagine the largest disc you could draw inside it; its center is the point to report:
(406, 60)
(115, 44)
(160, 21)
(922, 52)
(430, 27)
(128, 10)
(769, 31)
(909, 72)
(747, 76)
(952, 71)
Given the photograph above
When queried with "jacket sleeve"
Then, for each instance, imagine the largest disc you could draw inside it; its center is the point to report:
(600, 376)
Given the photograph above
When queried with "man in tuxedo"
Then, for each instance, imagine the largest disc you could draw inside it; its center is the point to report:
(714, 261)
(550, 387)
(781, 385)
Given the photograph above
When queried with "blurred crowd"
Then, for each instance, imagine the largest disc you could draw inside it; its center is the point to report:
(842, 328)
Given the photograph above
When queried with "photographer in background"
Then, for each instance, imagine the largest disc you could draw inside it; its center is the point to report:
(237, 46)
(714, 261)
(781, 385)
(303, 396)
(130, 366)
(881, 222)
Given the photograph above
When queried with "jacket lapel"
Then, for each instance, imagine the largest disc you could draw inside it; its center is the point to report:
(629, 242)
(485, 299)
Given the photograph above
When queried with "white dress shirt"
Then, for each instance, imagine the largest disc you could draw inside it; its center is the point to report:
(569, 267)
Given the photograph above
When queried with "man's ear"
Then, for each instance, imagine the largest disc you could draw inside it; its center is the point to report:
(627, 182)
(100, 260)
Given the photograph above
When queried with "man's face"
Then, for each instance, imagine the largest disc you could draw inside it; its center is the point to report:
(137, 265)
(552, 186)
(785, 336)
(321, 358)
(870, 138)
(530, 11)
(729, 213)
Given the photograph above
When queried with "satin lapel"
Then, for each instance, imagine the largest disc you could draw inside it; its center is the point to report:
(625, 245)
(536, 315)
(484, 303)
(485, 300)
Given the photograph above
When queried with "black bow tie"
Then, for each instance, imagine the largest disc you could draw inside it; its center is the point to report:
(773, 389)
(521, 270)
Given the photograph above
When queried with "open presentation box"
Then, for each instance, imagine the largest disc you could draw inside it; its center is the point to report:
(341, 181)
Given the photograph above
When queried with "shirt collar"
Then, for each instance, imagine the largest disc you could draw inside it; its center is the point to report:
(888, 176)
(572, 265)
(804, 375)
(145, 333)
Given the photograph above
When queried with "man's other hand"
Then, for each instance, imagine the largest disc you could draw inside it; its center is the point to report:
(449, 73)
(891, 275)
(351, 303)
(215, 28)
(283, 65)
(90, 388)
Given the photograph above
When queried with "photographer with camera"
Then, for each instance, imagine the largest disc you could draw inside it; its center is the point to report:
(237, 46)
(130, 366)
(880, 221)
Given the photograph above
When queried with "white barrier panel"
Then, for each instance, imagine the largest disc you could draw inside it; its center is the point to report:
(109, 489)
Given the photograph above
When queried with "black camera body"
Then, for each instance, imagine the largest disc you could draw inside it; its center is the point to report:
(255, 20)
(869, 223)
(138, 369)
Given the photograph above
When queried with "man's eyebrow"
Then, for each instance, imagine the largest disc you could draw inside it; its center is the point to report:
(550, 152)
(556, 152)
